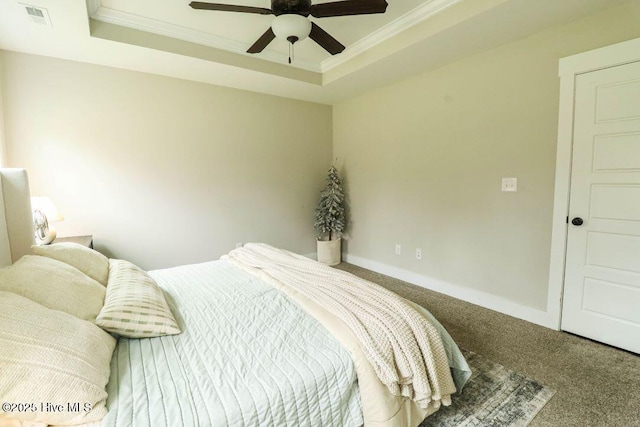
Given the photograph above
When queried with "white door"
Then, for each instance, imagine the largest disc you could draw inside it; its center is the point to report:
(602, 277)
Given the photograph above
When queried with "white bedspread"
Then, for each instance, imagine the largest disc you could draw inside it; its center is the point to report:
(283, 370)
(402, 346)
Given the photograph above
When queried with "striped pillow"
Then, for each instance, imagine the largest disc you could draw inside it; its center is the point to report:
(134, 306)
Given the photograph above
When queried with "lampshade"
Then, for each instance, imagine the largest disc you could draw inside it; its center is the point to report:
(291, 25)
(46, 206)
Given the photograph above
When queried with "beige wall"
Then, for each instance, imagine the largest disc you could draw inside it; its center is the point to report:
(423, 161)
(164, 171)
(3, 146)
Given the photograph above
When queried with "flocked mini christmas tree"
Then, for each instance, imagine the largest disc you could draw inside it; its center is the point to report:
(330, 211)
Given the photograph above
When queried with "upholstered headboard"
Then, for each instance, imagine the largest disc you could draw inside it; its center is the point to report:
(16, 218)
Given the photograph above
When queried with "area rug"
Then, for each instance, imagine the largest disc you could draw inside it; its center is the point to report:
(494, 396)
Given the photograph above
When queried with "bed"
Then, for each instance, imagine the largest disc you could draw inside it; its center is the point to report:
(255, 347)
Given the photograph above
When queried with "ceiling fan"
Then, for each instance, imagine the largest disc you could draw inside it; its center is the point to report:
(291, 20)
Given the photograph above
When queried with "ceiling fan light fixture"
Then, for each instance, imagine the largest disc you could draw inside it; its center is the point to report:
(291, 27)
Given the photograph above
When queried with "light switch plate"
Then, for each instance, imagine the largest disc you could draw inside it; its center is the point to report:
(510, 184)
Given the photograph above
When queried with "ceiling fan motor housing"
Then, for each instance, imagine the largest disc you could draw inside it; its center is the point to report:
(299, 7)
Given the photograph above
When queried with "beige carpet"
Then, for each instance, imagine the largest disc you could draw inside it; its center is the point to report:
(596, 385)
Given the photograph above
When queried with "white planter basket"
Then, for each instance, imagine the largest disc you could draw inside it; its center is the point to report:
(329, 251)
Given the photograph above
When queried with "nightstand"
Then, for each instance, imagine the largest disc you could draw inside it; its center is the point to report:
(82, 240)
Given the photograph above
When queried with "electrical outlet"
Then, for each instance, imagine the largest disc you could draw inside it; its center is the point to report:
(398, 249)
(418, 253)
(510, 184)
(239, 245)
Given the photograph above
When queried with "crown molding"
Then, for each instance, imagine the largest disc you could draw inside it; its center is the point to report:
(390, 30)
(93, 6)
(406, 21)
(141, 23)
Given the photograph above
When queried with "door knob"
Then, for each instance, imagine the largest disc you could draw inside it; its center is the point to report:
(577, 221)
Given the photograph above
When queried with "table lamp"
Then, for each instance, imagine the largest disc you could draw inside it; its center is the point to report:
(44, 211)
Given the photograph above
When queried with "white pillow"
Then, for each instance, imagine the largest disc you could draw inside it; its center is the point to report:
(55, 285)
(50, 357)
(135, 306)
(90, 262)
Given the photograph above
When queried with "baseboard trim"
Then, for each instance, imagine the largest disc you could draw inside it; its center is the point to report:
(473, 296)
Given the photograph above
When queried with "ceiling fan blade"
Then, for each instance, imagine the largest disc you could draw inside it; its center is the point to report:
(262, 42)
(348, 7)
(323, 38)
(229, 8)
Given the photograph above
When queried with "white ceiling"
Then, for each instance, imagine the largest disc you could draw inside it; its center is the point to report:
(237, 31)
(167, 37)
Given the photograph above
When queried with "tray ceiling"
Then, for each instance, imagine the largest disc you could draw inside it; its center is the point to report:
(168, 38)
(235, 32)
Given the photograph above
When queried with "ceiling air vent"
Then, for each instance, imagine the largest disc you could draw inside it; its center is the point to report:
(37, 15)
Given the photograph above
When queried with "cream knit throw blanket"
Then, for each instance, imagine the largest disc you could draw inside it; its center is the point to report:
(405, 350)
